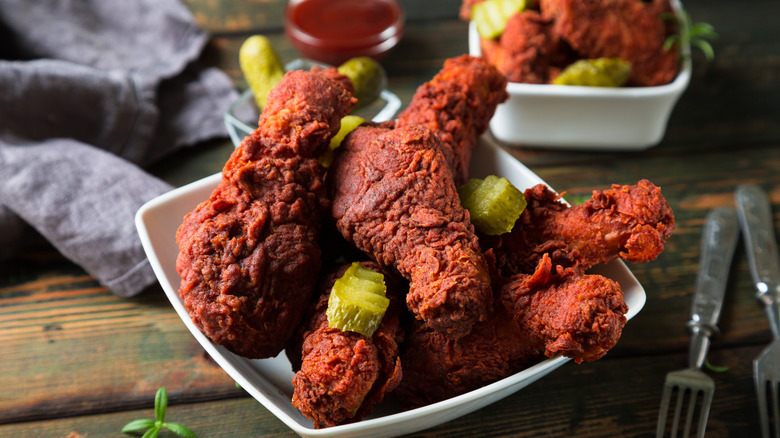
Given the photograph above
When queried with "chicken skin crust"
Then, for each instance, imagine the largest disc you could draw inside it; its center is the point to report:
(342, 375)
(529, 51)
(626, 221)
(542, 314)
(394, 198)
(632, 30)
(248, 256)
(457, 104)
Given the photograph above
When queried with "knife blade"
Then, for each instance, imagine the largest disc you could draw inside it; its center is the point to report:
(718, 242)
(755, 218)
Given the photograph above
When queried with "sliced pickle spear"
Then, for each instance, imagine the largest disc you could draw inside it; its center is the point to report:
(357, 302)
(494, 204)
(600, 72)
(491, 16)
(261, 66)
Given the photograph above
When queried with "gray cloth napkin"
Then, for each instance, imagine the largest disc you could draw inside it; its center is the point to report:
(92, 91)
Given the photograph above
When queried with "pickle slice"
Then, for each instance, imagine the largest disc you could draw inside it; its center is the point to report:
(494, 204)
(348, 124)
(491, 16)
(261, 66)
(600, 72)
(368, 77)
(357, 302)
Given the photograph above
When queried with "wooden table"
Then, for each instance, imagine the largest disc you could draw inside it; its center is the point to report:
(77, 361)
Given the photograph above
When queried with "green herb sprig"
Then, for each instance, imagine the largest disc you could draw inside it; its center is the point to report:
(715, 368)
(147, 428)
(698, 35)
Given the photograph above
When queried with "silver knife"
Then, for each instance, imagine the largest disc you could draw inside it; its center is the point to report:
(755, 216)
(719, 239)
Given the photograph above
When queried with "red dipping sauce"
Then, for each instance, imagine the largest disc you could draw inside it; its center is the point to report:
(333, 31)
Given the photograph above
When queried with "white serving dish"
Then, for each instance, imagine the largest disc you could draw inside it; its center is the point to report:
(269, 380)
(594, 118)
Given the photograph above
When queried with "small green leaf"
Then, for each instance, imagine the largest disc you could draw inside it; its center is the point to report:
(160, 404)
(151, 433)
(697, 35)
(706, 48)
(180, 429)
(138, 426)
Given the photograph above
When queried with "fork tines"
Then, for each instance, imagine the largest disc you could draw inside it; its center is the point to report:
(693, 392)
(768, 399)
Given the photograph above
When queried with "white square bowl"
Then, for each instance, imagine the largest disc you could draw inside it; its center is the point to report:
(593, 118)
(269, 380)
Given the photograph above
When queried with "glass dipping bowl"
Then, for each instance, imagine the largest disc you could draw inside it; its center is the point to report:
(333, 31)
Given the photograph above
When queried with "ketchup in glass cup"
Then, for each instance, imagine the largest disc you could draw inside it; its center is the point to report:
(333, 31)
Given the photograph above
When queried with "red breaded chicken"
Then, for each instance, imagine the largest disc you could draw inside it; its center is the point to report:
(626, 221)
(394, 198)
(248, 256)
(529, 51)
(457, 104)
(342, 375)
(542, 314)
(632, 30)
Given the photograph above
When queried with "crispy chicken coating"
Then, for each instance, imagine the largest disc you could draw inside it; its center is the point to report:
(394, 198)
(248, 256)
(551, 34)
(578, 315)
(542, 314)
(545, 302)
(529, 51)
(626, 221)
(457, 104)
(342, 375)
(632, 30)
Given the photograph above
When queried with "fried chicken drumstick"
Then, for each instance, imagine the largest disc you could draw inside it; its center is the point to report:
(248, 256)
(545, 302)
(341, 375)
(626, 221)
(457, 104)
(394, 198)
(541, 314)
(395, 193)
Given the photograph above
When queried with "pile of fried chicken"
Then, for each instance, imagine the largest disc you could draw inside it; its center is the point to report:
(539, 42)
(259, 257)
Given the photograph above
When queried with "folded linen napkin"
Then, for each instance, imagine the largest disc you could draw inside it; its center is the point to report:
(92, 91)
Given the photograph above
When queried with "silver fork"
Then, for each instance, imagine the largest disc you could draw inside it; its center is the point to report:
(755, 216)
(693, 387)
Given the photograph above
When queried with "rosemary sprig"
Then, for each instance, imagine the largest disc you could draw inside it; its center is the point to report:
(698, 35)
(147, 428)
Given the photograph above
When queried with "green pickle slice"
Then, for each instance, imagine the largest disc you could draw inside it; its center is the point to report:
(491, 16)
(600, 72)
(494, 204)
(357, 302)
(348, 124)
(368, 77)
(261, 66)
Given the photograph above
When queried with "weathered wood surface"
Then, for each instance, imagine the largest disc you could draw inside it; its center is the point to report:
(75, 359)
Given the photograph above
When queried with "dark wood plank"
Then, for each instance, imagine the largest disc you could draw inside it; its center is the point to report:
(608, 398)
(71, 347)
